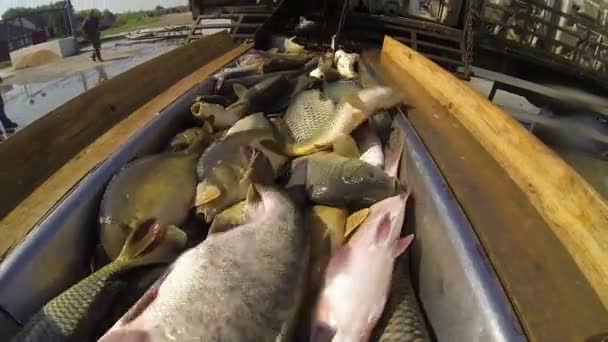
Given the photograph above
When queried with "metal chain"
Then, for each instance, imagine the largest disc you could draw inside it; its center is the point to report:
(470, 14)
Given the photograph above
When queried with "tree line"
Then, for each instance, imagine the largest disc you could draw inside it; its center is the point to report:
(55, 15)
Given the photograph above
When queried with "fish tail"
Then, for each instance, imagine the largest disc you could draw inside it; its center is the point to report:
(151, 243)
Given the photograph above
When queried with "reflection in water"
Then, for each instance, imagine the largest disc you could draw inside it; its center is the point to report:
(30, 95)
(101, 73)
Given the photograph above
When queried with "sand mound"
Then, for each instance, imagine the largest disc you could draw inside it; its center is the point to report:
(36, 58)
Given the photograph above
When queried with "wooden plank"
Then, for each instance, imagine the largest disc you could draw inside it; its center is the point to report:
(550, 293)
(576, 213)
(33, 154)
(21, 220)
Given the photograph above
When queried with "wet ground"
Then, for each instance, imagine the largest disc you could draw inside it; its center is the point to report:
(31, 93)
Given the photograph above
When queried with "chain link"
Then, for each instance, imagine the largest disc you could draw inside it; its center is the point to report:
(470, 15)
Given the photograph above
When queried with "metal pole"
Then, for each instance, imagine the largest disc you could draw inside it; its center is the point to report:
(70, 18)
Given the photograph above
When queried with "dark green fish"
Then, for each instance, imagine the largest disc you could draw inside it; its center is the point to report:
(330, 179)
(75, 314)
(402, 319)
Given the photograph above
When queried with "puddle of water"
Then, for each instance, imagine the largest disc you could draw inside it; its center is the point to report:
(29, 98)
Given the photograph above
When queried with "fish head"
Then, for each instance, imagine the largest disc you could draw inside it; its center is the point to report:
(347, 64)
(374, 229)
(369, 182)
(222, 187)
(205, 110)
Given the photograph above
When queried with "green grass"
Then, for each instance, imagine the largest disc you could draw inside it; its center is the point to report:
(130, 24)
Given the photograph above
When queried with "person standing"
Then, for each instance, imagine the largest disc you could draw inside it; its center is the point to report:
(91, 30)
(8, 124)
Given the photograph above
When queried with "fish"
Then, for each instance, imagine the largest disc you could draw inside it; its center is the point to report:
(307, 113)
(305, 82)
(368, 78)
(327, 225)
(307, 27)
(347, 64)
(224, 171)
(74, 314)
(358, 277)
(340, 90)
(324, 69)
(232, 217)
(253, 58)
(132, 285)
(186, 138)
(227, 89)
(393, 150)
(284, 44)
(250, 122)
(264, 62)
(216, 115)
(216, 99)
(382, 123)
(262, 97)
(369, 145)
(402, 320)
(349, 114)
(331, 179)
(245, 284)
(235, 72)
(157, 187)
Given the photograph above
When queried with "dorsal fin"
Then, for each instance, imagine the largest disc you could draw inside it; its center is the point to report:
(239, 90)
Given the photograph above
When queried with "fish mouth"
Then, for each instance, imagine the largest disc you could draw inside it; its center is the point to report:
(206, 213)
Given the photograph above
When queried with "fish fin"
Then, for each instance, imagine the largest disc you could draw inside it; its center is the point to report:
(206, 193)
(248, 156)
(338, 261)
(383, 231)
(150, 244)
(393, 151)
(239, 90)
(273, 146)
(355, 220)
(253, 198)
(124, 335)
(207, 127)
(345, 146)
(402, 244)
(321, 147)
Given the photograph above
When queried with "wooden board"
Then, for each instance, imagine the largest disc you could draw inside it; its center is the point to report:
(535, 244)
(33, 154)
(15, 226)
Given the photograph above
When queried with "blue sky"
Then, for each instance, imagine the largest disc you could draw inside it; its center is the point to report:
(112, 5)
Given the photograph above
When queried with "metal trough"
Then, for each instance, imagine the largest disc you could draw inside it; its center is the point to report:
(457, 288)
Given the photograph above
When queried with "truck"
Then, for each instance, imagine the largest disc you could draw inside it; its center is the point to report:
(504, 252)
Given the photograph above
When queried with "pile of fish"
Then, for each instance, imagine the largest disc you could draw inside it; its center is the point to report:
(280, 214)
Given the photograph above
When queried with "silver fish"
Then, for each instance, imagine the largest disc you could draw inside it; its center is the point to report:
(369, 145)
(245, 284)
